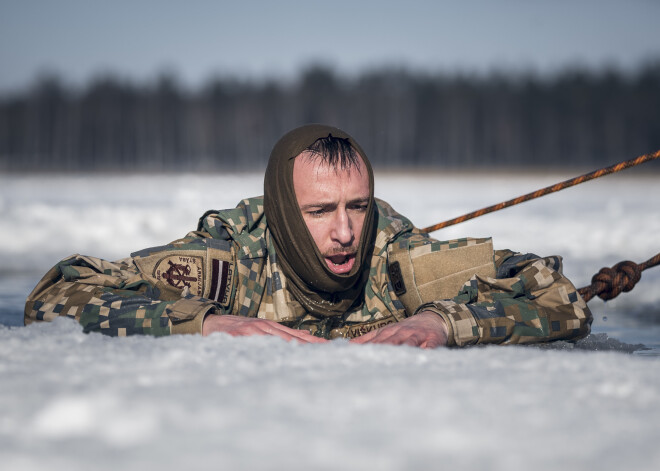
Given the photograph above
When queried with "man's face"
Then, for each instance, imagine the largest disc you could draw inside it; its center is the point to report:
(333, 203)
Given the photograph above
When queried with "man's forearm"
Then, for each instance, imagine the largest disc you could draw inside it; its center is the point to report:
(533, 303)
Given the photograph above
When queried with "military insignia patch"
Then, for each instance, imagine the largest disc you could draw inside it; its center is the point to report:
(181, 271)
(396, 278)
(221, 276)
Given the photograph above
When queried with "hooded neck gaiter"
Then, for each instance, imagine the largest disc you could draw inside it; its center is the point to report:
(312, 283)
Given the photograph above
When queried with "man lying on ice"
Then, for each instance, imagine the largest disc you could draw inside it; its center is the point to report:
(316, 258)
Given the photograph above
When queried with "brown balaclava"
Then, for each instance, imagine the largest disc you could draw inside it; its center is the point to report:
(312, 283)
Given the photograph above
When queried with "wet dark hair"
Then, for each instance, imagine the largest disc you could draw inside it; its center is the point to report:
(336, 152)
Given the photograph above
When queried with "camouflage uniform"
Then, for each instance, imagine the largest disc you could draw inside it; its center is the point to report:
(229, 266)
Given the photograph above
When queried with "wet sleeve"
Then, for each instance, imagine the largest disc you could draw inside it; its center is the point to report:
(114, 298)
(529, 301)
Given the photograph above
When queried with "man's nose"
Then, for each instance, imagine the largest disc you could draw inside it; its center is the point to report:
(343, 228)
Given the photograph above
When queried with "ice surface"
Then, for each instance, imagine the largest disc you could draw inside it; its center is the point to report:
(74, 401)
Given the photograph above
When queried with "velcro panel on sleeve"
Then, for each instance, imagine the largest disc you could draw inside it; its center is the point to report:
(206, 272)
(439, 269)
(176, 268)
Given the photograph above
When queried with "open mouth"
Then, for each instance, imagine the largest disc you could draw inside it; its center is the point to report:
(340, 263)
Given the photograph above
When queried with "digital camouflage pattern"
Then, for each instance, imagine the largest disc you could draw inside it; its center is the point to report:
(229, 266)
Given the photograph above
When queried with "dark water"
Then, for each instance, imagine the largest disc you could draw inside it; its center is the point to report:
(617, 326)
(636, 325)
(14, 288)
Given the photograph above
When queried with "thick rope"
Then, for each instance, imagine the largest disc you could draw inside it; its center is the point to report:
(608, 283)
(545, 191)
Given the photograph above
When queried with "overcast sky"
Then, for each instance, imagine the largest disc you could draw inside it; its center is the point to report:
(140, 38)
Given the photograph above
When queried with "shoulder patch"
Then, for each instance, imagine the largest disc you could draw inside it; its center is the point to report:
(181, 271)
(205, 268)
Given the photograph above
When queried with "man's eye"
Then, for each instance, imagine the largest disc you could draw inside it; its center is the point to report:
(316, 212)
(360, 207)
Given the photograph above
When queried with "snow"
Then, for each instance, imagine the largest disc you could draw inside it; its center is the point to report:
(74, 401)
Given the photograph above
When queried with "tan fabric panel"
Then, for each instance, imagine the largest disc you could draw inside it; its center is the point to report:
(438, 271)
(192, 269)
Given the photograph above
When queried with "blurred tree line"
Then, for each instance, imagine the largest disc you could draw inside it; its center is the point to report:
(402, 119)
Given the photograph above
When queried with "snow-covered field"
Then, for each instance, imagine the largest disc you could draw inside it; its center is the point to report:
(75, 401)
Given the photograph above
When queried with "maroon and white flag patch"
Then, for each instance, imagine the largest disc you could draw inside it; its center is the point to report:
(221, 273)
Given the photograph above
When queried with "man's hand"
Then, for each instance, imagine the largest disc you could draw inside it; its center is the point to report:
(239, 326)
(425, 330)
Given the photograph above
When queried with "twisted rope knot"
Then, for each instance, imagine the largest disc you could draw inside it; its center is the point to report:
(608, 283)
